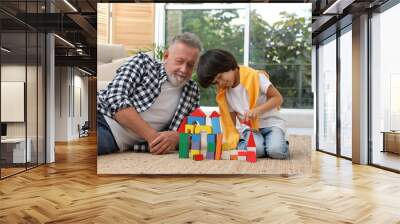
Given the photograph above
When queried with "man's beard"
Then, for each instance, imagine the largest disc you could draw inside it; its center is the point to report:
(177, 80)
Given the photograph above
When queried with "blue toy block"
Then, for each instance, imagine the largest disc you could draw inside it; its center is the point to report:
(199, 120)
(211, 138)
(196, 138)
(216, 127)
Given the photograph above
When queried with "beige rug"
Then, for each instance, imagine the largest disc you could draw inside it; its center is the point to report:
(145, 163)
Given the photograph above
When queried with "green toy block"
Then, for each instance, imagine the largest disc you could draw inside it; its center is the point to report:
(183, 145)
(211, 147)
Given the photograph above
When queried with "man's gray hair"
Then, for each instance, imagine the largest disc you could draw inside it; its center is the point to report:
(187, 38)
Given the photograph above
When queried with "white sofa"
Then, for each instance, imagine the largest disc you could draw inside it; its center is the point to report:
(109, 58)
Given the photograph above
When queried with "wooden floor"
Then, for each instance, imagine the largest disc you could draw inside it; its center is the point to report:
(387, 159)
(69, 191)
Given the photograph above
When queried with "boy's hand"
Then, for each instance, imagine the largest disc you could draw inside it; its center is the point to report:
(252, 114)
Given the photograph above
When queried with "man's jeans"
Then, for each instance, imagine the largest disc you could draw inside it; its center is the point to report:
(269, 142)
(105, 140)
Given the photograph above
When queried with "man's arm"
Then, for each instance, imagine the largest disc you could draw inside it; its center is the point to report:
(130, 118)
(159, 142)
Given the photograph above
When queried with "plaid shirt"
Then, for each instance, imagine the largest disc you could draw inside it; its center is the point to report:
(137, 84)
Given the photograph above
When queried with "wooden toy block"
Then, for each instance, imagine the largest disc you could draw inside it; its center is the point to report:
(198, 120)
(214, 114)
(211, 147)
(191, 155)
(196, 138)
(211, 138)
(251, 142)
(183, 145)
(202, 128)
(242, 158)
(198, 157)
(226, 155)
(234, 154)
(216, 126)
(204, 153)
(251, 157)
(210, 155)
(208, 122)
(182, 126)
(198, 112)
(195, 151)
(189, 128)
(242, 152)
(251, 149)
(218, 147)
(203, 140)
(195, 145)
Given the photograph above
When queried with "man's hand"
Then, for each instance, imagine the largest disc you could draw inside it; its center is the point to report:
(164, 142)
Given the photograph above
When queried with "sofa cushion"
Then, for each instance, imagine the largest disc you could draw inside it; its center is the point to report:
(108, 52)
(106, 72)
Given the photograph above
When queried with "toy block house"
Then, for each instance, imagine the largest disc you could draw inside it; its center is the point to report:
(199, 140)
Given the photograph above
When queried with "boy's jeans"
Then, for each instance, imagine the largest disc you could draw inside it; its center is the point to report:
(269, 142)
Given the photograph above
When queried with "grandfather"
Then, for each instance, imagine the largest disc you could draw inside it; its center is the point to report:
(143, 106)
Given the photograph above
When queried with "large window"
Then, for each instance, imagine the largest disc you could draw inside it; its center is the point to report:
(271, 37)
(385, 88)
(280, 43)
(22, 88)
(346, 93)
(327, 95)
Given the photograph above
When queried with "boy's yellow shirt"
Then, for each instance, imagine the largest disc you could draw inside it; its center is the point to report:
(249, 78)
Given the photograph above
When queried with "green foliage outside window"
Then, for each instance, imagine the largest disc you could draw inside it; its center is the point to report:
(283, 48)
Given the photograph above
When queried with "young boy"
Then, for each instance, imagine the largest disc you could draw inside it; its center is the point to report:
(248, 95)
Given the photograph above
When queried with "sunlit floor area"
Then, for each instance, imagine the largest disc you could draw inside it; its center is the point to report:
(70, 191)
(387, 159)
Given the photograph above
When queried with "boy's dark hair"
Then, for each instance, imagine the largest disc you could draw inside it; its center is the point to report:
(213, 62)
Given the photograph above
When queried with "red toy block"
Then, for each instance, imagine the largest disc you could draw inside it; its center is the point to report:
(181, 128)
(242, 153)
(251, 142)
(198, 157)
(251, 157)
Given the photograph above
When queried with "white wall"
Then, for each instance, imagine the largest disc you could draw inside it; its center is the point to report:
(67, 115)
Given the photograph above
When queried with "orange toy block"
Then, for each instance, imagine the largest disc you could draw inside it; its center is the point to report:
(234, 157)
(218, 148)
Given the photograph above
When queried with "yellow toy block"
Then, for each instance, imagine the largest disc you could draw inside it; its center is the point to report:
(225, 146)
(200, 128)
(189, 128)
(195, 151)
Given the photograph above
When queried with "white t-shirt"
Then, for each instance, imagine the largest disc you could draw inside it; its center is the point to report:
(158, 116)
(238, 101)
